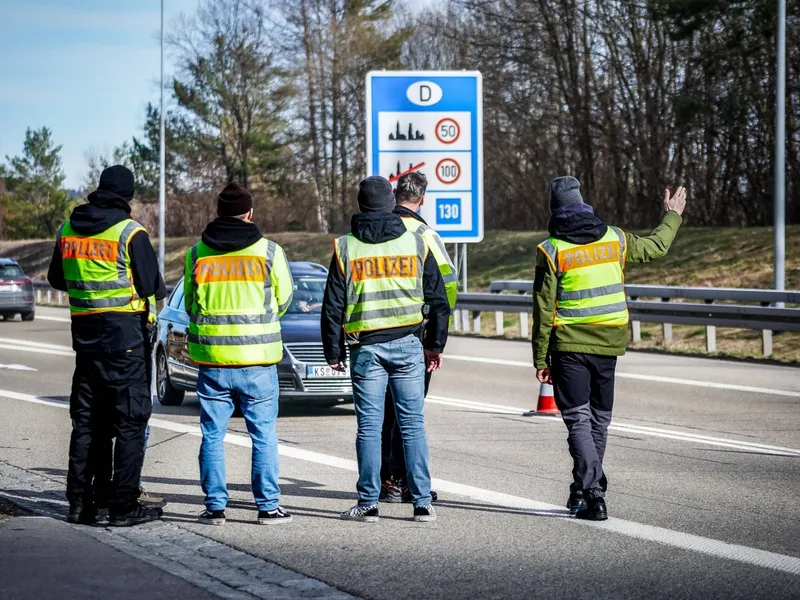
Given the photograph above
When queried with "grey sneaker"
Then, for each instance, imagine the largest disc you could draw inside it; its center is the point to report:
(150, 501)
(424, 514)
(363, 514)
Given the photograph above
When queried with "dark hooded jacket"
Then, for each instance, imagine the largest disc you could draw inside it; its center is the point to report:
(376, 228)
(229, 234)
(111, 332)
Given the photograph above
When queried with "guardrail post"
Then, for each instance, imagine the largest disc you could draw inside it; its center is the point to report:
(766, 338)
(38, 296)
(457, 320)
(49, 296)
(60, 298)
(711, 334)
(465, 321)
(667, 328)
(636, 327)
(498, 323)
(476, 321)
(523, 325)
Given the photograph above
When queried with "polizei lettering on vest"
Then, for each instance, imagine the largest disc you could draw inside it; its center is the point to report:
(592, 254)
(230, 268)
(89, 249)
(382, 267)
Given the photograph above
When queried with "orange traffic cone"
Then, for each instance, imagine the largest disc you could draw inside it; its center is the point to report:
(547, 402)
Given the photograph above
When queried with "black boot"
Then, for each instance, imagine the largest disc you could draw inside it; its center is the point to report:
(82, 513)
(595, 509)
(576, 502)
(75, 511)
(137, 516)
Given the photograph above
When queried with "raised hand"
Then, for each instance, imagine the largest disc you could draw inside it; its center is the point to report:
(676, 202)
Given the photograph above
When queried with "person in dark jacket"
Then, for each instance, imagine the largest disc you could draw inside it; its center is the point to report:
(105, 262)
(580, 324)
(381, 276)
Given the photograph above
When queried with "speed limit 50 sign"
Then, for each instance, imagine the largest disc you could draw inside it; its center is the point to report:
(432, 122)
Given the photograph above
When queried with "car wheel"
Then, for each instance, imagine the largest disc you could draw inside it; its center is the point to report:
(29, 316)
(8, 317)
(167, 394)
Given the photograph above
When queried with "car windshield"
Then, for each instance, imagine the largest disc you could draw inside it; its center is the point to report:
(307, 298)
(11, 271)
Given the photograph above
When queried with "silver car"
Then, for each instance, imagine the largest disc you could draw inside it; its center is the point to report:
(303, 373)
(16, 291)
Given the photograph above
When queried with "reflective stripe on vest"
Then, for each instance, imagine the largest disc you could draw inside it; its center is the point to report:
(384, 282)
(97, 269)
(436, 247)
(234, 318)
(590, 280)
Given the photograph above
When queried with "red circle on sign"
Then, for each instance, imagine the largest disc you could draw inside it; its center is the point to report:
(454, 168)
(443, 122)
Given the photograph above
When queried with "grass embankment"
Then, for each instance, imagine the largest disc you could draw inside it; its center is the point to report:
(717, 257)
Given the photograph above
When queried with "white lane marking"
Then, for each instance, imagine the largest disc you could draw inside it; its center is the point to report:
(33, 344)
(671, 380)
(37, 350)
(49, 318)
(660, 535)
(17, 368)
(632, 428)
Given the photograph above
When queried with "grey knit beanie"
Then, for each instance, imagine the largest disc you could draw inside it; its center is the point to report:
(563, 192)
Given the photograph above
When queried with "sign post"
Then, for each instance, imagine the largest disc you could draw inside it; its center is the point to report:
(432, 122)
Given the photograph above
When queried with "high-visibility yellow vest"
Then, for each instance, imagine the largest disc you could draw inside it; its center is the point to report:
(234, 318)
(436, 247)
(590, 280)
(97, 269)
(384, 281)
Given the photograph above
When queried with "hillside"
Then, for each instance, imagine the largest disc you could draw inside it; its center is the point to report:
(719, 257)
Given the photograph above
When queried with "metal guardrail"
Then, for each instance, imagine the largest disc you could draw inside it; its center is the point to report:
(764, 316)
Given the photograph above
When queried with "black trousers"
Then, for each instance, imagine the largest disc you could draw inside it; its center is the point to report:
(584, 392)
(393, 457)
(110, 400)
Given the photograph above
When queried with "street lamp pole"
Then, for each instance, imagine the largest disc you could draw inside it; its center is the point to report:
(161, 159)
(780, 154)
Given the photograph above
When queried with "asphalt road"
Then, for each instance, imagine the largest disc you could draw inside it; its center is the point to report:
(703, 463)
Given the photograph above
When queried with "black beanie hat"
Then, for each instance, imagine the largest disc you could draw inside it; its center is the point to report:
(375, 195)
(117, 180)
(564, 191)
(234, 201)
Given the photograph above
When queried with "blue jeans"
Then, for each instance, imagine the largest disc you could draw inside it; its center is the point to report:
(257, 390)
(401, 364)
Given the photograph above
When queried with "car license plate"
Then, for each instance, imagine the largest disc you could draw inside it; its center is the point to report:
(325, 371)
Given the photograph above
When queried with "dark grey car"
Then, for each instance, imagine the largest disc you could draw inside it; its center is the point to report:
(16, 291)
(303, 373)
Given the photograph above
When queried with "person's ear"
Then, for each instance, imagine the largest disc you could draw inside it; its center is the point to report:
(250, 215)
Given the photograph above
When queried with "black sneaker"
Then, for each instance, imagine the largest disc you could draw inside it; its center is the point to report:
(363, 514)
(75, 511)
(274, 517)
(102, 517)
(595, 510)
(137, 516)
(424, 514)
(406, 494)
(576, 501)
(81, 514)
(212, 517)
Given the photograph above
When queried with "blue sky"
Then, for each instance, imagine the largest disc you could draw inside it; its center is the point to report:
(84, 68)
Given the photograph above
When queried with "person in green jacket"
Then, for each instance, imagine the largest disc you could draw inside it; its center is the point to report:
(580, 324)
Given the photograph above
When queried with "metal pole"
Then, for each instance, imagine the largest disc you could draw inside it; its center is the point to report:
(780, 153)
(464, 253)
(161, 159)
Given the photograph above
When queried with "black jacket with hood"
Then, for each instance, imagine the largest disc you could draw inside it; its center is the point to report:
(111, 332)
(376, 228)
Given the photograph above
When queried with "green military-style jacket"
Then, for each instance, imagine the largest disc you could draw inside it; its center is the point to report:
(591, 339)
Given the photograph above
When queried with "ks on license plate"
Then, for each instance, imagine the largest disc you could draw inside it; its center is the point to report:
(325, 371)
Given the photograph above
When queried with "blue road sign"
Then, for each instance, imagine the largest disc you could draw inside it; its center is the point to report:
(432, 122)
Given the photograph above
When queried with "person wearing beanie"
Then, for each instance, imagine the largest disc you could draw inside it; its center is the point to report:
(237, 285)
(580, 324)
(381, 276)
(109, 307)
